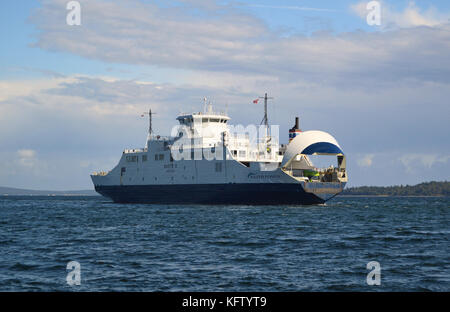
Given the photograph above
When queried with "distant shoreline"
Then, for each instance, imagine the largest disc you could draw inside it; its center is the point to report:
(429, 189)
(10, 191)
(426, 189)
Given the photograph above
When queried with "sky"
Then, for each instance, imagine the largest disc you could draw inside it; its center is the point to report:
(71, 96)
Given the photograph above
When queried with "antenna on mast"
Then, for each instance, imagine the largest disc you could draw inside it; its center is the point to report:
(149, 113)
(265, 119)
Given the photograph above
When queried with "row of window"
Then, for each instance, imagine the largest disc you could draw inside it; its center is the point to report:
(135, 158)
(186, 121)
(213, 120)
(132, 158)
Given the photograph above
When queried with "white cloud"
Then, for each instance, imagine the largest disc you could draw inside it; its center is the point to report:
(360, 9)
(414, 162)
(229, 41)
(366, 160)
(26, 153)
(411, 16)
(14, 88)
(27, 158)
(23, 163)
(390, 167)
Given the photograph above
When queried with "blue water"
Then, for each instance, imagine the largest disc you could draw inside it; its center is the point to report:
(228, 248)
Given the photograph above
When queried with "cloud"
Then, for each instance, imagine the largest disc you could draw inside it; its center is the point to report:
(366, 160)
(23, 165)
(141, 32)
(27, 157)
(15, 88)
(414, 162)
(411, 16)
(393, 167)
(229, 41)
(26, 153)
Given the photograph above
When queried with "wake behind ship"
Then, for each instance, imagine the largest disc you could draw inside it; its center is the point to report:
(205, 162)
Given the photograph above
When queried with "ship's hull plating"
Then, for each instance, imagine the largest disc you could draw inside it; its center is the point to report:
(222, 194)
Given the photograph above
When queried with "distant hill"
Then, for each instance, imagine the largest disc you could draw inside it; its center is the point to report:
(17, 191)
(423, 189)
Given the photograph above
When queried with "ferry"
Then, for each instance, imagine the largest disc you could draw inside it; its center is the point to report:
(207, 161)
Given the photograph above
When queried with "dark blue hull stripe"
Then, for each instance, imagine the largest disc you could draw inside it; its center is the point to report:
(222, 194)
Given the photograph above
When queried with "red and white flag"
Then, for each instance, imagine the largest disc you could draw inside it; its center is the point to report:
(255, 101)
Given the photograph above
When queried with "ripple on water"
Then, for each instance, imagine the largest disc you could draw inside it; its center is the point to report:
(234, 248)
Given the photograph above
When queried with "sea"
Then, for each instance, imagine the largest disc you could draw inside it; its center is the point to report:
(349, 244)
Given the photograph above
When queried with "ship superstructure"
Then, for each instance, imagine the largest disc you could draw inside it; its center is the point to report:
(207, 161)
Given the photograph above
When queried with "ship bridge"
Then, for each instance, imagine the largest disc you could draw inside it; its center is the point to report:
(210, 118)
(207, 126)
(210, 129)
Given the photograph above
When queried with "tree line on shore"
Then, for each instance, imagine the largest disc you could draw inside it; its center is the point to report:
(432, 188)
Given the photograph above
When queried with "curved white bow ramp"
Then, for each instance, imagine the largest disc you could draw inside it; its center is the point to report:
(324, 183)
(310, 143)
